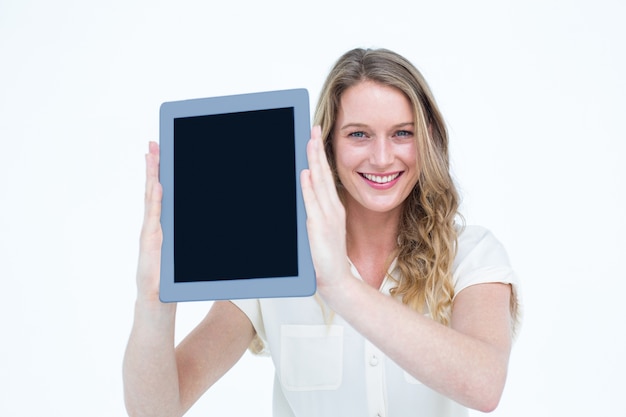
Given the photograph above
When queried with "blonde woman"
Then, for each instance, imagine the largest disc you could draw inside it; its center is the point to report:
(414, 314)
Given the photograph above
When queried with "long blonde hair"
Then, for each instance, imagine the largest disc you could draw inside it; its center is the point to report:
(427, 235)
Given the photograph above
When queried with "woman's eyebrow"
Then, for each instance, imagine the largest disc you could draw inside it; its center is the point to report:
(353, 125)
(365, 125)
(406, 124)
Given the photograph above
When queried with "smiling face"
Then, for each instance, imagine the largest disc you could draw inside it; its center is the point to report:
(375, 148)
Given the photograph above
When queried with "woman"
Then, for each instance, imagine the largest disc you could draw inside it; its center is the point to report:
(414, 315)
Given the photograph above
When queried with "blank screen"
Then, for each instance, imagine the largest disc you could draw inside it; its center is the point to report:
(235, 196)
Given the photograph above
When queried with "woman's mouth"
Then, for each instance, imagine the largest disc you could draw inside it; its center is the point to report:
(381, 179)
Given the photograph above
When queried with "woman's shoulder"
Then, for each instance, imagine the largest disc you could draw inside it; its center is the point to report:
(477, 247)
(468, 232)
(481, 258)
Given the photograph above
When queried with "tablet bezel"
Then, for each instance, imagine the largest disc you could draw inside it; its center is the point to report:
(300, 285)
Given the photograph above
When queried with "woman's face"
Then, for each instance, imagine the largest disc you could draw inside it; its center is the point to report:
(375, 146)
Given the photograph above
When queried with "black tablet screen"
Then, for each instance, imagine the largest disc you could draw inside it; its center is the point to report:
(235, 196)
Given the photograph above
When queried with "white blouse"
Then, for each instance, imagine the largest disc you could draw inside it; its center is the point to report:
(326, 368)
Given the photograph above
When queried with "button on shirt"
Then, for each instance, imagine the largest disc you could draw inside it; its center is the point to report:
(325, 368)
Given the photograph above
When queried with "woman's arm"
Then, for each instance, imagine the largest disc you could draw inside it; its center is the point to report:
(466, 361)
(158, 378)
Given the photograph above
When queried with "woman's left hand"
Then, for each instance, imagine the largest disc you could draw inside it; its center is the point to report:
(326, 217)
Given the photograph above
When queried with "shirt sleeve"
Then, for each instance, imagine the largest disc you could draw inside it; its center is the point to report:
(252, 309)
(482, 259)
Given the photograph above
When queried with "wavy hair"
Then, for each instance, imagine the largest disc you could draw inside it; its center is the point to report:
(427, 235)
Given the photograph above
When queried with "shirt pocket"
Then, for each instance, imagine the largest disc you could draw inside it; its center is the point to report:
(311, 357)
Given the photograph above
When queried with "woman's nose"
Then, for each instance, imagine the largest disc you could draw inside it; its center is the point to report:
(382, 153)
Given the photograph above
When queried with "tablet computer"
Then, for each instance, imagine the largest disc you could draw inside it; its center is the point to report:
(233, 217)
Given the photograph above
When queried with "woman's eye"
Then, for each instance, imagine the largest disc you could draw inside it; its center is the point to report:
(357, 134)
(404, 133)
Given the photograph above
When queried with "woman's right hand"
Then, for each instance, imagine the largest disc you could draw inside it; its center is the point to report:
(159, 379)
(149, 267)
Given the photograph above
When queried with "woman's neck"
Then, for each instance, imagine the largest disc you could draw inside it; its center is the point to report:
(370, 234)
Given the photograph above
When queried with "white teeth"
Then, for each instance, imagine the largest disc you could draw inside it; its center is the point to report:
(381, 180)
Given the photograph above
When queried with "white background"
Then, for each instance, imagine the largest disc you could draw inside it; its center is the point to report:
(533, 91)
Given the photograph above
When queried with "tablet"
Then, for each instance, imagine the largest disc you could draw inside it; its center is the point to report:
(233, 217)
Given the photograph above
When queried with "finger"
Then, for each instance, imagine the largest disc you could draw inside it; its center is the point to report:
(308, 195)
(314, 180)
(318, 149)
(152, 165)
(322, 180)
(153, 195)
